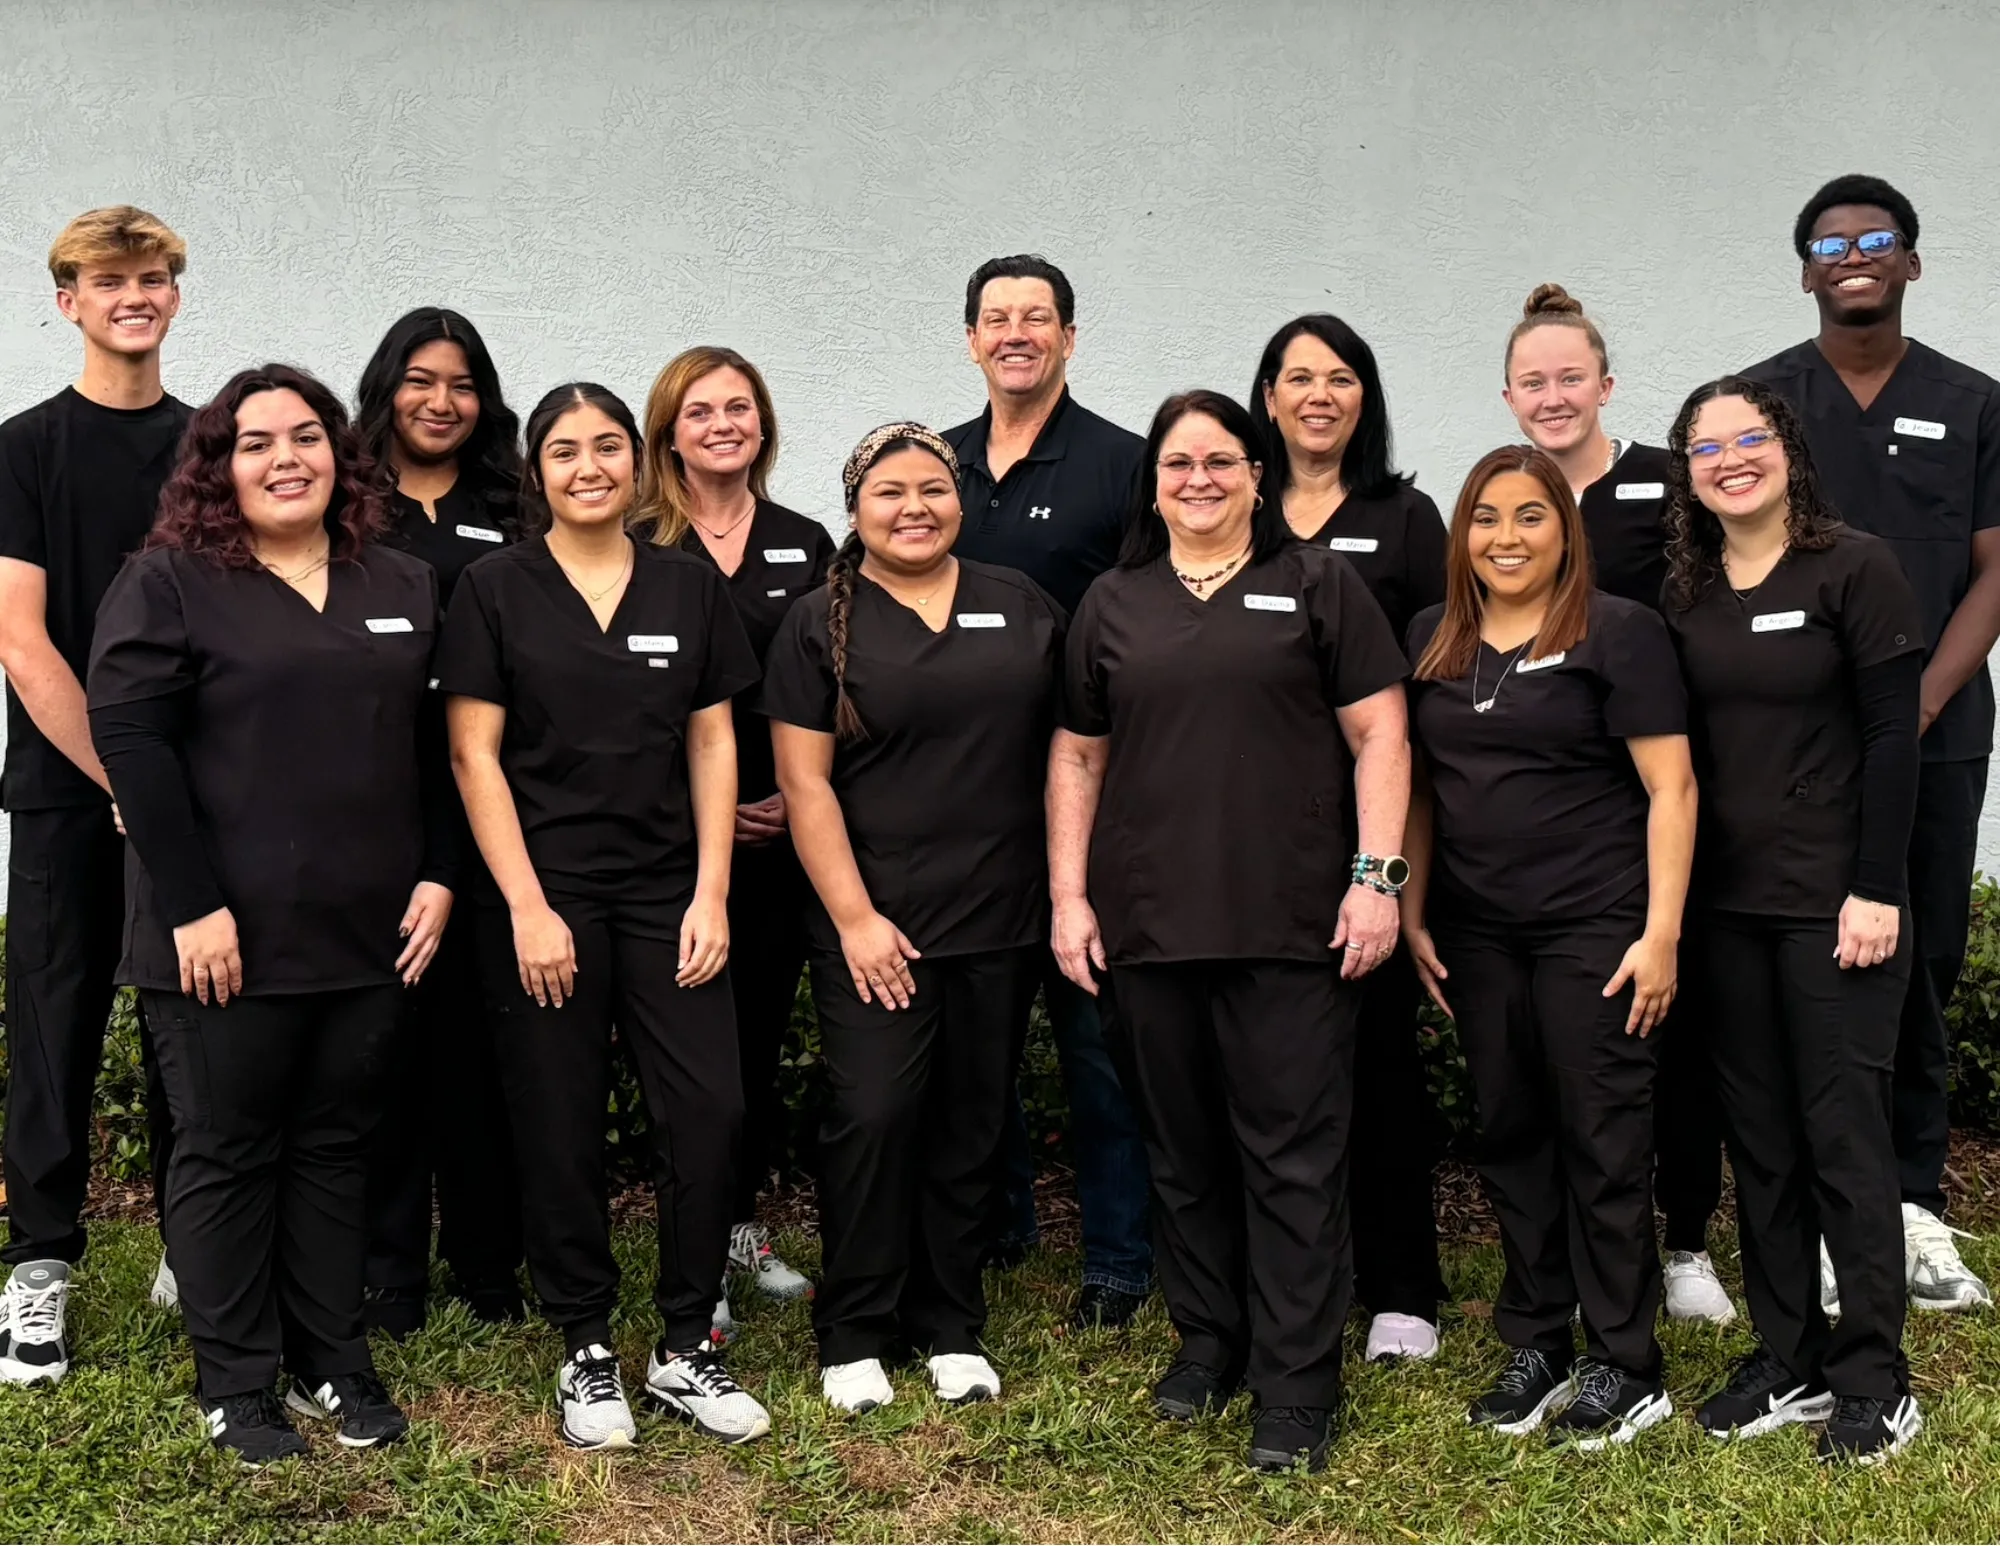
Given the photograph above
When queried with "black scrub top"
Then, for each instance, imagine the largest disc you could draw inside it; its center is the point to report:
(1396, 544)
(300, 741)
(1624, 517)
(595, 744)
(785, 555)
(463, 532)
(1919, 468)
(1225, 828)
(1776, 730)
(943, 797)
(1538, 812)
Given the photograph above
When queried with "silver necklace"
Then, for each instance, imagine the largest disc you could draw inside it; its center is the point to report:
(1480, 706)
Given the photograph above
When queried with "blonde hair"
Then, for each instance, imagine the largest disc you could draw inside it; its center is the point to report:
(665, 504)
(1551, 305)
(108, 234)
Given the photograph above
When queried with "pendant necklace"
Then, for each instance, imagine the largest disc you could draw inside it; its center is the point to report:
(717, 536)
(595, 596)
(1201, 581)
(310, 569)
(1480, 706)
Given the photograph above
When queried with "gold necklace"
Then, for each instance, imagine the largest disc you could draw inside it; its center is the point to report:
(311, 569)
(717, 536)
(922, 601)
(598, 595)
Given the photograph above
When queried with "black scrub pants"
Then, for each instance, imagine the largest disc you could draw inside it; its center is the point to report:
(1564, 1127)
(445, 1123)
(767, 955)
(1243, 1075)
(1805, 1055)
(556, 1070)
(275, 1100)
(909, 1150)
(1943, 840)
(65, 930)
(1395, 1148)
(1687, 1118)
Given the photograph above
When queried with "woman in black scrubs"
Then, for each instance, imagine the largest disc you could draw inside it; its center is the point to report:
(1319, 403)
(1558, 382)
(257, 686)
(1550, 837)
(589, 679)
(1803, 647)
(911, 701)
(1203, 821)
(711, 440)
(431, 417)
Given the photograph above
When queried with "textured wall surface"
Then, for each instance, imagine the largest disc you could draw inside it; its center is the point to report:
(602, 182)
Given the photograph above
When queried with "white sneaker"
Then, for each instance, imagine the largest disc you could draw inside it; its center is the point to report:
(32, 1348)
(1829, 1285)
(856, 1387)
(750, 1251)
(1694, 1292)
(963, 1377)
(696, 1388)
(1937, 1279)
(1392, 1336)
(595, 1414)
(166, 1290)
(721, 1324)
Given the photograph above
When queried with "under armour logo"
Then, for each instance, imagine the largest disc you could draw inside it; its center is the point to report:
(1040, 512)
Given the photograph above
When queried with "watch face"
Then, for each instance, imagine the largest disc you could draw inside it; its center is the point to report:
(1396, 871)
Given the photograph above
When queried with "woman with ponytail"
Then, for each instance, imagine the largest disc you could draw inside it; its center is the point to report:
(911, 703)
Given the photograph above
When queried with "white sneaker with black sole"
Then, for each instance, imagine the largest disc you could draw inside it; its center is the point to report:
(696, 1388)
(166, 1289)
(1694, 1292)
(750, 1252)
(961, 1377)
(856, 1387)
(32, 1345)
(1393, 1337)
(595, 1413)
(1932, 1271)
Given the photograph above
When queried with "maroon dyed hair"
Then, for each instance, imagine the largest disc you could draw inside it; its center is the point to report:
(198, 510)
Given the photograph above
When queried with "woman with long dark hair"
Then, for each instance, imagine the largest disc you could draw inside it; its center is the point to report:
(588, 680)
(258, 692)
(1319, 402)
(1550, 834)
(431, 416)
(1232, 724)
(1803, 647)
(711, 440)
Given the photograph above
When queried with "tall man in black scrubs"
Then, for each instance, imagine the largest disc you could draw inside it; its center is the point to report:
(80, 475)
(1907, 443)
(1045, 485)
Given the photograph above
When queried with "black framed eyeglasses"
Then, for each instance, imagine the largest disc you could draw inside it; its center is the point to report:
(1873, 244)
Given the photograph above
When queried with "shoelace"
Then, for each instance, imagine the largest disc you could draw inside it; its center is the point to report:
(38, 1312)
(1524, 1369)
(1856, 1411)
(596, 1379)
(1302, 1415)
(1597, 1385)
(1758, 1372)
(705, 1367)
(1933, 1237)
(251, 1409)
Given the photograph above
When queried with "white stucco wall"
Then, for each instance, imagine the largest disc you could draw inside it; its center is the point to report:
(602, 182)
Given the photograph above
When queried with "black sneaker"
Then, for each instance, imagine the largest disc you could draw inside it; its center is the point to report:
(1868, 1430)
(398, 1313)
(1188, 1390)
(1530, 1390)
(1612, 1406)
(1101, 1305)
(253, 1427)
(1762, 1396)
(357, 1402)
(1286, 1436)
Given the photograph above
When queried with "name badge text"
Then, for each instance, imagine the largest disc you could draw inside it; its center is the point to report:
(1543, 664)
(1923, 429)
(390, 625)
(1642, 491)
(784, 555)
(1775, 622)
(1271, 603)
(1354, 544)
(479, 533)
(982, 620)
(652, 643)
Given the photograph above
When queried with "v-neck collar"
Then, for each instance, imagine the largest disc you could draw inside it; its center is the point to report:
(1203, 603)
(554, 574)
(1846, 391)
(749, 542)
(332, 569)
(950, 601)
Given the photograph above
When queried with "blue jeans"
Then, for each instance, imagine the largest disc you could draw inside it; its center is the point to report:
(1110, 1155)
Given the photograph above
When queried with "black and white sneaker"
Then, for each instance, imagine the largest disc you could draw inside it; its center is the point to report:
(1762, 1396)
(357, 1402)
(32, 1346)
(253, 1427)
(1612, 1406)
(696, 1388)
(1530, 1390)
(1867, 1430)
(595, 1414)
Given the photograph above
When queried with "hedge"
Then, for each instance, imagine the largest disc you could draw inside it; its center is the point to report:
(1974, 1018)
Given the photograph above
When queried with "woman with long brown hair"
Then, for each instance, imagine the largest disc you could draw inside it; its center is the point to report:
(1551, 829)
(711, 441)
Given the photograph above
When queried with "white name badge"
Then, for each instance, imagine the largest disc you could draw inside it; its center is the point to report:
(775, 593)
(652, 643)
(390, 625)
(1642, 491)
(1271, 603)
(1353, 544)
(784, 555)
(982, 620)
(1543, 664)
(1776, 622)
(1923, 429)
(479, 533)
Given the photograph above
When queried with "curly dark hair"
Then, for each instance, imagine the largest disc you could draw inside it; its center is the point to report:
(198, 510)
(1694, 534)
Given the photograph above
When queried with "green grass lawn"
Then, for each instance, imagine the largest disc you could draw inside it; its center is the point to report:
(1071, 1451)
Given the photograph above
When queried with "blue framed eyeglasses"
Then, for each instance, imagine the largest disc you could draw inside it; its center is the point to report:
(1873, 244)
